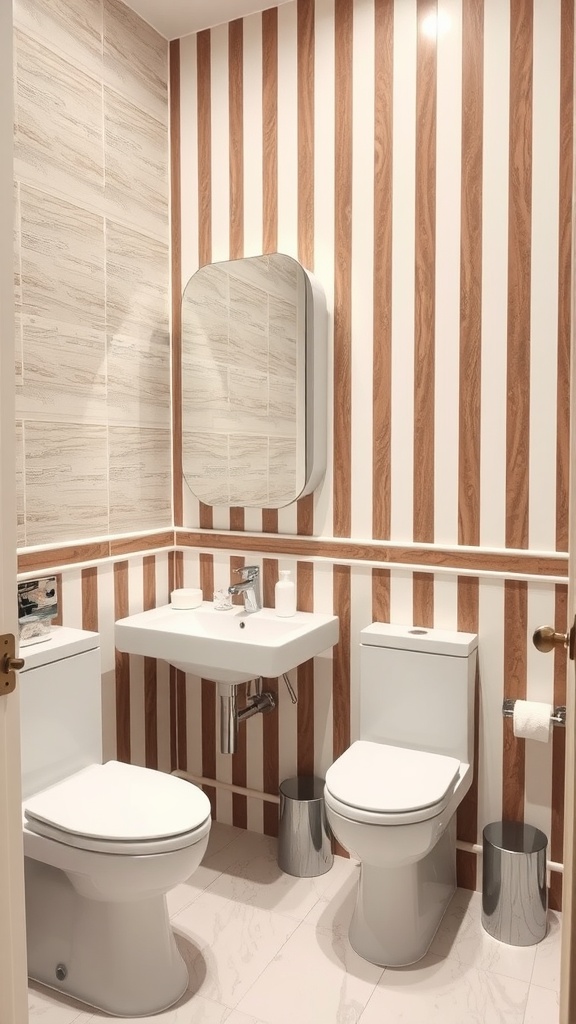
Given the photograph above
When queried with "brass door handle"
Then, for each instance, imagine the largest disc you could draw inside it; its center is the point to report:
(12, 664)
(9, 663)
(545, 639)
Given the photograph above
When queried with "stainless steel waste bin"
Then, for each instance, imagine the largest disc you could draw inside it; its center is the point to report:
(514, 894)
(304, 847)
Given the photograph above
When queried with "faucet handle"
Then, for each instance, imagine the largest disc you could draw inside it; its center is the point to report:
(249, 573)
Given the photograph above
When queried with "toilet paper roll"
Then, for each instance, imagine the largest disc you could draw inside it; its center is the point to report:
(186, 597)
(532, 720)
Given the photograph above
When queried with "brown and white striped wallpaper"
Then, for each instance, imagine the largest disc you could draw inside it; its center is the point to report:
(427, 182)
(422, 169)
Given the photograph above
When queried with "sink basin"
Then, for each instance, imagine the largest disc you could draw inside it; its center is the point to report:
(227, 646)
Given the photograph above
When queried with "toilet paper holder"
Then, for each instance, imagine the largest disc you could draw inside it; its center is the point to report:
(558, 718)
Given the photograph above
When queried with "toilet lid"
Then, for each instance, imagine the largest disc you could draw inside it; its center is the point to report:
(391, 780)
(117, 801)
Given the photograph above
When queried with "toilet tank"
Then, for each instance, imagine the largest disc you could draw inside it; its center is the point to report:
(60, 707)
(417, 688)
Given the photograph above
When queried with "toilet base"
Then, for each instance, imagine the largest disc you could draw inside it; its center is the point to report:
(398, 909)
(118, 957)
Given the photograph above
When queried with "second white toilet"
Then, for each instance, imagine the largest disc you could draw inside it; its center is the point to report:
(391, 798)
(103, 843)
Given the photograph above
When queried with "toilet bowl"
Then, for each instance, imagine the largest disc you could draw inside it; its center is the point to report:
(393, 804)
(103, 844)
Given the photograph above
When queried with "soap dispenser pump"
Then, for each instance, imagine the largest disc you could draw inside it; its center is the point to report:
(285, 595)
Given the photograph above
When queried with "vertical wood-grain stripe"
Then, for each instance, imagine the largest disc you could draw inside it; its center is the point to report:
(343, 24)
(270, 165)
(342, 590)
(176, 281)
(424, 298)
(239, 759)
(423, 599)
(150, 673)
(382, 287)
(519, 272)
(559, 748)
(380, 595)
(90, 599)
(175, 580)
(204, 101)
(470, 273)
(565, 289)
(515, 631)
(122, 662)
(208, 694)
(59, 617)
(467, 820)
(305, 47)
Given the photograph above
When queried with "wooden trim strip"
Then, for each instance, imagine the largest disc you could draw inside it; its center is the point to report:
(37, 561)
(507, 563)
(122, 661)
(342, 441)
(471, 274)
(515, 668)
(382, 286)
(90, 599)
(176, 283)
(381, 595)
(565, 284)
(425, 278)
(423, 599)
(519, 276)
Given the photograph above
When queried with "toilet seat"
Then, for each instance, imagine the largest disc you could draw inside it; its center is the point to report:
(381, 784)
(120, 808)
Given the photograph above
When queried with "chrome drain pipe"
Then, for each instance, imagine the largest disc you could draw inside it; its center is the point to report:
(230, 717)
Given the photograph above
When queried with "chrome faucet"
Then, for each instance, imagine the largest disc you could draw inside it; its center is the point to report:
(249, 587)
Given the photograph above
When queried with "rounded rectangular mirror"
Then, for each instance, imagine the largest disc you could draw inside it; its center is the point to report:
(253, 382)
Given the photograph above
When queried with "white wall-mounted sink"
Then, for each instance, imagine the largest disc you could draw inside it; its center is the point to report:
(227, 646)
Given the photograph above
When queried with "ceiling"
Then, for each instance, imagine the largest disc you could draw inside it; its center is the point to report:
(175, 18)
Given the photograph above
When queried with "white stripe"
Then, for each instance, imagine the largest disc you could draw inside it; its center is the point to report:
(252, 47)
(403, 275)
(362, 266)
(401, 596)
(287, 712)
(544, 272)
(323, 676)
(494, 272)
(447, 326)
(220, 144)
(137, 702)
(360, 616)
(71, 598)
(163, 714)
(445, 602)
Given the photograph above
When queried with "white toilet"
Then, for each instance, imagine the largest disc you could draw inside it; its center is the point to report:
(391, 798)
(102, 843)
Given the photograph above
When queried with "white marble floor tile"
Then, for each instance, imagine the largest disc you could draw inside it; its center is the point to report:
(333, 911)
(48, 1007)
(462, 937)
(546, 971)
(191, 1009)
(316, 978)
(253, 877)
(542, 1006)
(228, 944)
(443, 991)
(242, 1018)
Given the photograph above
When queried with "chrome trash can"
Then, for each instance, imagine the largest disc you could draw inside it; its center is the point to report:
(304, 846)
(514, 893)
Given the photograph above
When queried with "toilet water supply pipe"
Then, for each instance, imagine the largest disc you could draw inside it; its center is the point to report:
(255, 794)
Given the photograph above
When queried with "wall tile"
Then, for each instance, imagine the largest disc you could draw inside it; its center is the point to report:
(20, 510)
(136, 155)
(139, 379)
(205, 464)
(135, 59)
(72, 28)
(140, 473)
(64, 371)
(137, 278)
(58, 140)
(66, 481)
(62, 260)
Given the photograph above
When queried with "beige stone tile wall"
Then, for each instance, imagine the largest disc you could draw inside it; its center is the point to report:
(91, 271)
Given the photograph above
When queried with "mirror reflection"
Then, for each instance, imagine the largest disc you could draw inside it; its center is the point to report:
(244, 328)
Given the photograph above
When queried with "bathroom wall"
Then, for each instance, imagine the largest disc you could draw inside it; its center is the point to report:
(428, 185)
(92, 272)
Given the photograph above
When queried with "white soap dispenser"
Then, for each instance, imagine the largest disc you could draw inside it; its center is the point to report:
(285, 595)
